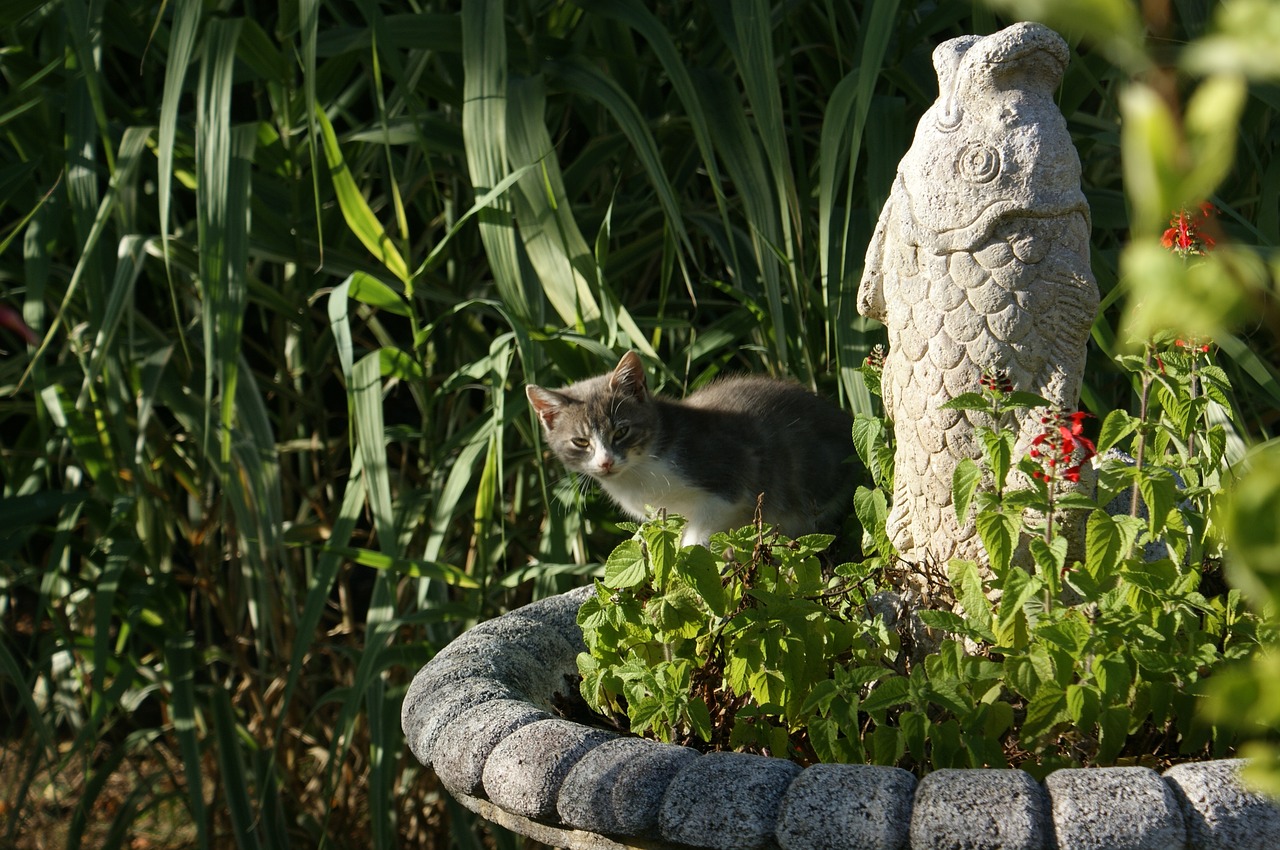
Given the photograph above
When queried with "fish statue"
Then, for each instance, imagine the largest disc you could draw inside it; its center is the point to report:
(979, 262)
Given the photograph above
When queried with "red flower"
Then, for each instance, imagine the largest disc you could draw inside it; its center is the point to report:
(1061, 447)
(1185, 235)
(996, 380)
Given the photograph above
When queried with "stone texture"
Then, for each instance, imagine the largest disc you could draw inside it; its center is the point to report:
(484, 656)
(728, 801)
(980, 810)
(617, 788)
(426, 712)
(980, 260)
(524, 770)
(1115, 808)
(463, 746)
(1219, 812)
(560, 614)
(541, 640)
(832, 806)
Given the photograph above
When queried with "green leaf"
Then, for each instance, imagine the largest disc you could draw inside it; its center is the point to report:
(1203, 298)
(997, 449)
(1160, 492)
(412, 567)
(661, 539)
(872, 510)
(698, 567)
(369, 290)
(1026, 400)
(868, 433)
(915, 731)
(645, 713)
(999, 534)
(1083, 705)
(1212, 124)
(1011, 622)
(1104, 542)
(886, 745)
(676, 612)
(1115, 427)
(964, 481)
(886, 694)
(355, 209)
(968, 401)
(997, 720)
(1050, 558)
(966, 581)
(1046, 709)
(1114, 728)
(1114, 679)
(627, 565)
(1250, 518)
(699, 717)
(398, 363)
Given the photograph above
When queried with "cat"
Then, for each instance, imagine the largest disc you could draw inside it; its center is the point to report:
(708, 457)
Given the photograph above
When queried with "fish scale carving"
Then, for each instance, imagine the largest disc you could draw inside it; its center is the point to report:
(980, 260)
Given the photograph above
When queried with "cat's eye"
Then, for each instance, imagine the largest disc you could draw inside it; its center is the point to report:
(621, 433)
(581, 442)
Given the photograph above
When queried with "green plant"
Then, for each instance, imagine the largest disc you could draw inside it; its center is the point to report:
(268, 451)
(1047, 661)
(1104, 654)
(731, 645)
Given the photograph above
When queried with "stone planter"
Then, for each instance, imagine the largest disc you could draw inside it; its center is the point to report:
(483, 714)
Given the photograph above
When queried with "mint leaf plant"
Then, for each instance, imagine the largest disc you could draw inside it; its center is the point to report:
(1049, 657)
(723, 646)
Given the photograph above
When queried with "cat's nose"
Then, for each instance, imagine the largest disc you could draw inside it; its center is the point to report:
(606, 465)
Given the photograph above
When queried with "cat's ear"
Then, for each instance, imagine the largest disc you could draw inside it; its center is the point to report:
(628, 377)
(546, 403)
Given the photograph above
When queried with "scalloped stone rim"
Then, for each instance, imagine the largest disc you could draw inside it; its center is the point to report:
(482, 711)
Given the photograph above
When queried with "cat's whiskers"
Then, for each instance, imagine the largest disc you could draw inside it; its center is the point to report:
(645, 451)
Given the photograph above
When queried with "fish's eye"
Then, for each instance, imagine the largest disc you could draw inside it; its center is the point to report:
(581, 442)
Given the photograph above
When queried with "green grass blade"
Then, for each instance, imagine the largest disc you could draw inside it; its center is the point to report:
(484, 132)
(366, 410)
(356, 210)
(180, 661)
(578, 75)
(234, 778)
(182, 42)
(745, 165)
(129, 260)
(552, 239)
(323, 578)
(213, 164)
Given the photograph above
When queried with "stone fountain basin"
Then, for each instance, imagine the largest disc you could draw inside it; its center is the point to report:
(482, 714)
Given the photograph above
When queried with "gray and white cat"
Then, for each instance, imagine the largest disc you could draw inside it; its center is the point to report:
(708, 457)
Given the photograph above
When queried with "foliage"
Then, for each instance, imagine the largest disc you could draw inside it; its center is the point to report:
(1047, 661)
(728, 643)
(271, 278)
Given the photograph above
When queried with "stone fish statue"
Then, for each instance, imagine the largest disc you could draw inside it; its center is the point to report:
(980, 261)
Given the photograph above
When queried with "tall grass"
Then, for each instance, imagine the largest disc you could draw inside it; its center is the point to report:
(289, 267)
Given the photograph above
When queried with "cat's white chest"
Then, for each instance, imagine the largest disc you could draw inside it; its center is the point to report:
(649, 484)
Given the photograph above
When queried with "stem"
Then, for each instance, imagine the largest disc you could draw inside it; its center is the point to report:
(1051, 485)
(1141, 447)
(1193, 392)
